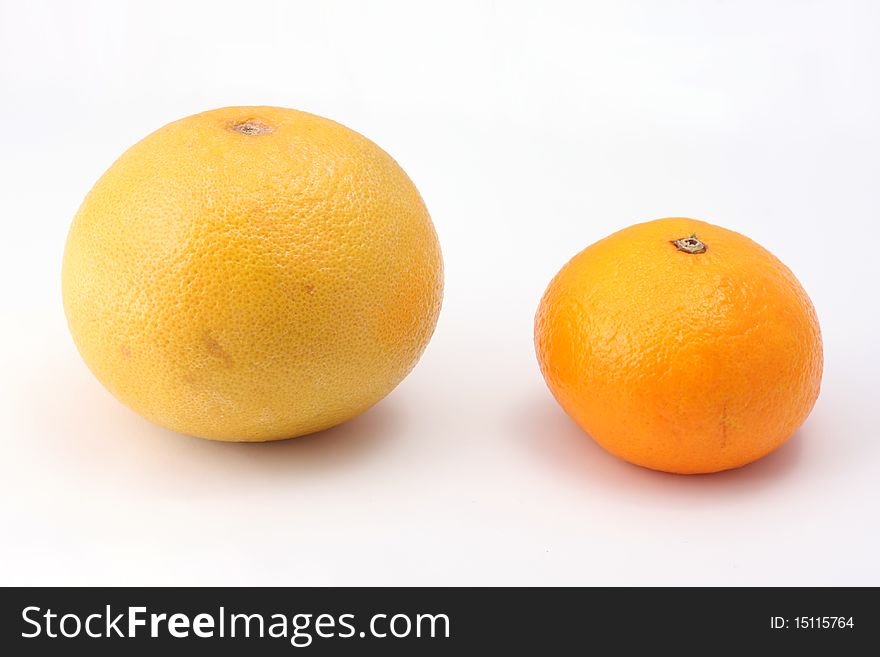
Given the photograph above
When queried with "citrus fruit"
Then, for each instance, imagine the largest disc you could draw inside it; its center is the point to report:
(680, 346)
(252, 273)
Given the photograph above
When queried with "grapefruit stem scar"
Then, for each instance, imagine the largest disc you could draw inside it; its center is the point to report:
(252, 127)
(690, 244)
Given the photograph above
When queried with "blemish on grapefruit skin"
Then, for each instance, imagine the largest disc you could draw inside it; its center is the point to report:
(252, 127)
(215, 348)
(310, 289)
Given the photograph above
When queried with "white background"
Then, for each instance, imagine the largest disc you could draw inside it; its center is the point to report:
(532, 130)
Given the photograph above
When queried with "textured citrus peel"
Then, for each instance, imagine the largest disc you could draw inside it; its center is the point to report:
(690, 244)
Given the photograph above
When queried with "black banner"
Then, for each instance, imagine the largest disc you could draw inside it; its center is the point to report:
(277, 621)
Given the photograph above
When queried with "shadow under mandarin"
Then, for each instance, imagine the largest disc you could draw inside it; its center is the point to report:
(543, 428)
